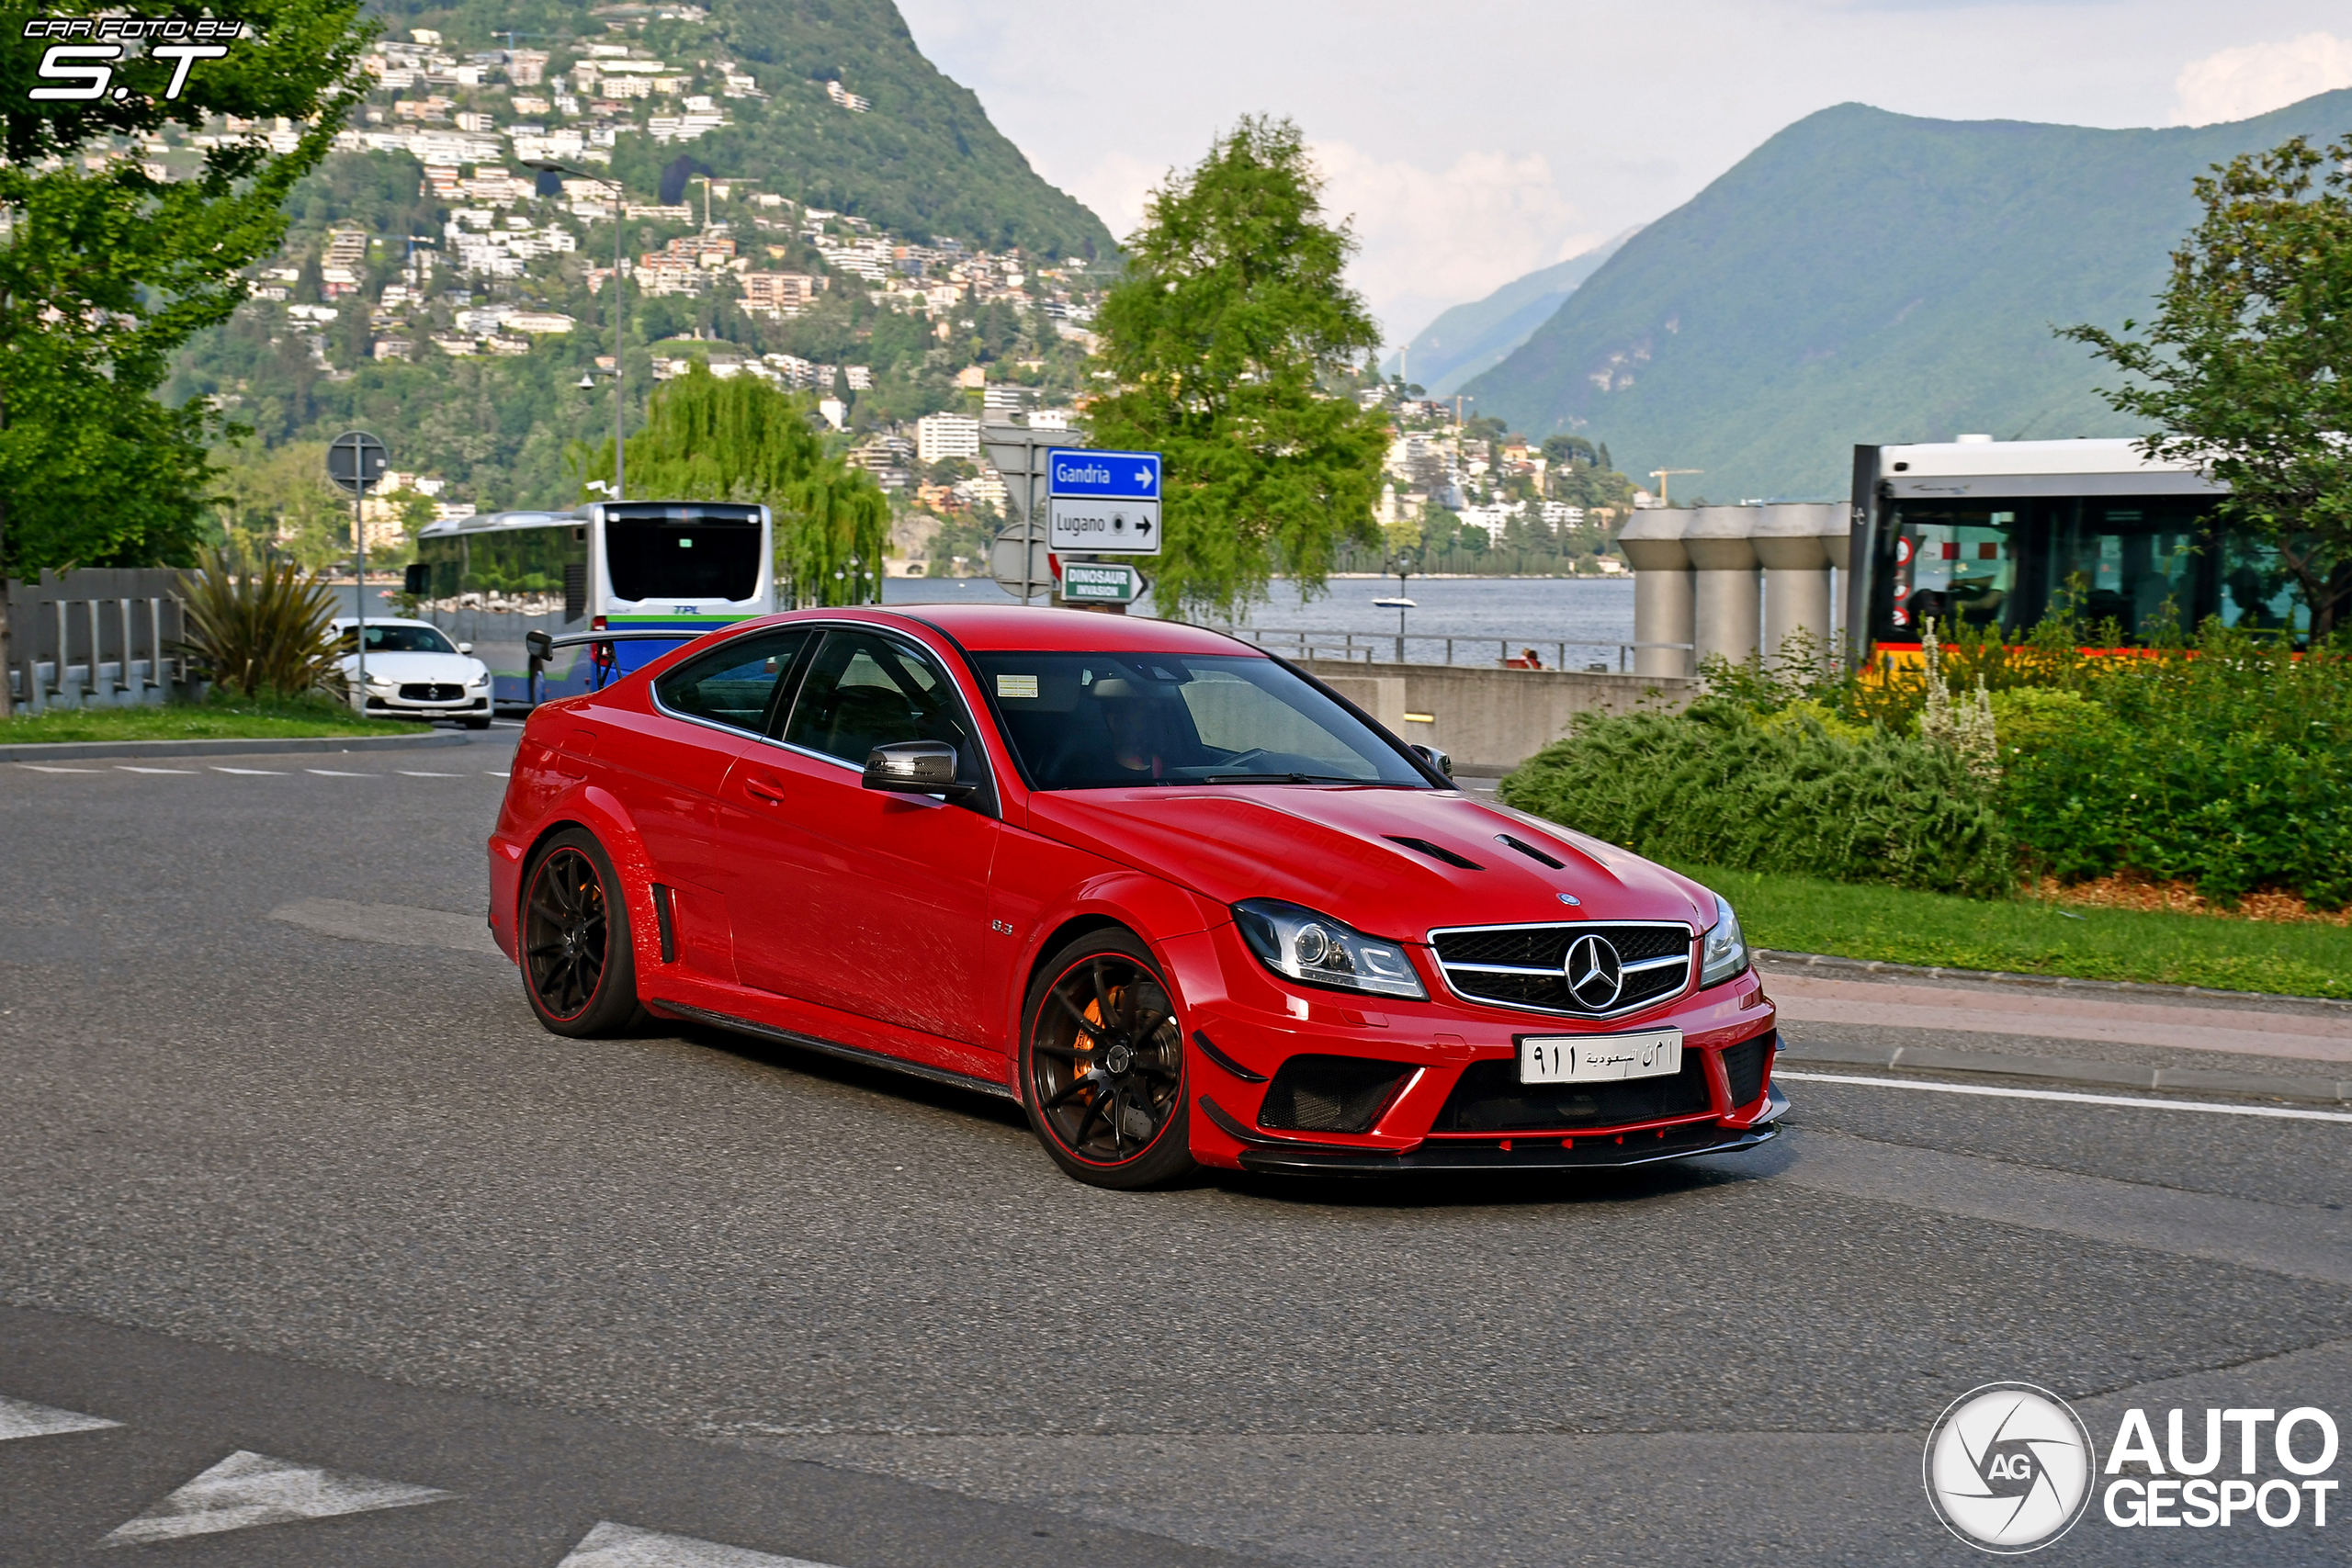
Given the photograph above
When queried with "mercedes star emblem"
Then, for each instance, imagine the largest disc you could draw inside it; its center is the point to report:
(1594, 972)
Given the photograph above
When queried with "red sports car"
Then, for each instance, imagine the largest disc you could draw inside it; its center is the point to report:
(1178, 898)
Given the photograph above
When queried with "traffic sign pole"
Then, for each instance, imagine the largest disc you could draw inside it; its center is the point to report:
(356, 460)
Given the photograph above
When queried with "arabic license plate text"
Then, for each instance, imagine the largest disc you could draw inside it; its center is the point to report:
(1599, 1059)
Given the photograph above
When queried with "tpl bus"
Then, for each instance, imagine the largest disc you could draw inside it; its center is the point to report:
(623, 565)
(1990, 529)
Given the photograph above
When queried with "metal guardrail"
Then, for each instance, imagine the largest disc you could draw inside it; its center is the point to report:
(1348, 646)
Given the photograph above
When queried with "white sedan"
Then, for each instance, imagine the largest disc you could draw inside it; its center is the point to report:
(415, 672)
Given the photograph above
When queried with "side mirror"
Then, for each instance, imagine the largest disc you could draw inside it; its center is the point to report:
(915, 767)
(541, 646)
(1435, 759)
(464, 648)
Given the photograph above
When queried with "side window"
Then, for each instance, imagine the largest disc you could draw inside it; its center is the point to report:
(865, 691)
(734, 683)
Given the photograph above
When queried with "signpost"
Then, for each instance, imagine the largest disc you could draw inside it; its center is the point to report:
(356, 460)
(1067, 500)
(1104, 502)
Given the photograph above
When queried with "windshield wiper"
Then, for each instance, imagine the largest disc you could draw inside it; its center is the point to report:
(1280, 778)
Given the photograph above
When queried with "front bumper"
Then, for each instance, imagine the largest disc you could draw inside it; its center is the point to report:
(1248, 1027)
(409, 708)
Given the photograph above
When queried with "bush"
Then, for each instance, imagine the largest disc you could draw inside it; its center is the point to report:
(1721, 786)
(262, 630)
(2228, 766)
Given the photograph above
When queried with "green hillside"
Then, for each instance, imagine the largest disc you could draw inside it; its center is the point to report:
(925, 160)
(1474, 337)
(1867, 276)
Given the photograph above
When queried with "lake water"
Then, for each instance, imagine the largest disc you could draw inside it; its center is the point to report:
(1481, 613)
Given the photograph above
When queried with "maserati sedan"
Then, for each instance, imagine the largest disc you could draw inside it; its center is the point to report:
(1179, 900)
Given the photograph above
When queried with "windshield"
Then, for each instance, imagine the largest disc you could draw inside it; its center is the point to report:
(682, 554)
(399, 640)
(1110, 720)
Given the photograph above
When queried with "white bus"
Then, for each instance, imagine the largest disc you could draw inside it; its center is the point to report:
(639, 566)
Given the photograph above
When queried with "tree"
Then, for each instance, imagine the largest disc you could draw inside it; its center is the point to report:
(105, 270)
(740, 439)
(1231, 316)
(2246, 371)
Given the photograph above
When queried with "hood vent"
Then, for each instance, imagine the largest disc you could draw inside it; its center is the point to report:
(1437, 851)
(1530, 851)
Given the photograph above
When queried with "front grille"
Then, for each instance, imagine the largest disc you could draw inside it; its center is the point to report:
(1329, 1094)
(1744, 1066)
(431, 692)
(1524, 966)
(1490, 1099)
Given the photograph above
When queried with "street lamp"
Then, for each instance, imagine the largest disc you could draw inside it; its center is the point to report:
(621, 316)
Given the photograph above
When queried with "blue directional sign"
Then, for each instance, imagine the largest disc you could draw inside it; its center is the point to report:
(1103, 476)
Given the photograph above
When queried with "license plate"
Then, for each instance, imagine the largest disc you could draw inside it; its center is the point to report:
(1599, 1059)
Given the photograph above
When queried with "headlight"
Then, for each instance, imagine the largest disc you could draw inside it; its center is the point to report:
(375, 685)
(1319, 951)
(481, 680)
(1723, 952)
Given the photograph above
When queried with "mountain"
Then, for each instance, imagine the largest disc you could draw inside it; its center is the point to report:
(1867, 276)
(923, 159)
(1470, 338)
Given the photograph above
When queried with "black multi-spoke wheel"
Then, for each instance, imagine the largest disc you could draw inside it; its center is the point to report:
(577, 965)
(1102, 1064)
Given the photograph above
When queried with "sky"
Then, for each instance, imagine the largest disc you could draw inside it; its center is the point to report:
(1476, 140)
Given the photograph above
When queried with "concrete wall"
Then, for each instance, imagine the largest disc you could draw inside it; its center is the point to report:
(1490, 720)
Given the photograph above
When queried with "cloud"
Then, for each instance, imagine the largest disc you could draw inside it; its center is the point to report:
(1432, 238)
(2238, 84)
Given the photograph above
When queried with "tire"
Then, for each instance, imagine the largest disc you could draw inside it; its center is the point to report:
(1102, 1064)
(579, 965)
(477, 724)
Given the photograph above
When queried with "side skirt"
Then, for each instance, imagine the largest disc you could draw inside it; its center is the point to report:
(834, 1048)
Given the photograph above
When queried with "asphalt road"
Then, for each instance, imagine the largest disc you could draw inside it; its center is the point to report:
(287, 1169)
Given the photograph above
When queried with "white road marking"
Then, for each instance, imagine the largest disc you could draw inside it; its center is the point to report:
(395, 925)
(624, 1546)
(126, 768)
(248, 1489)
(23, 1419)
(339, 774)
(2276, 1112)
(413, 773)
(492, 772)
(45, 768)
(272, 772)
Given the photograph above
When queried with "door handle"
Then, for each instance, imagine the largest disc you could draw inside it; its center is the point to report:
(763, 786)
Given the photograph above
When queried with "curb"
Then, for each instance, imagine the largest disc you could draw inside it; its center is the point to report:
(2055, 982)
(2064, 1069)
(77, 751)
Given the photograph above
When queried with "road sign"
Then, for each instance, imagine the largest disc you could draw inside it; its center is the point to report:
(1104, 503)
(1103, 475)
(1100, 582)
(1020, 562)
(356, 460)
(1104, 528)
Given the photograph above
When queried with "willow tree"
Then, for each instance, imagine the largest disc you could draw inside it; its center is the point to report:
(1220, 341)
(740, 439)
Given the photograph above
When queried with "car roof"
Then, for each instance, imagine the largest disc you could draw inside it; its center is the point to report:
(1006, 628)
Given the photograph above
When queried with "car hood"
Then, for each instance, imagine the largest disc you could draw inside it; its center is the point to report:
(1335, 850)
(451, 668)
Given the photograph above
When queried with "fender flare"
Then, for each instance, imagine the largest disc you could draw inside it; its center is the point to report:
(1155, 910)
(592, 807)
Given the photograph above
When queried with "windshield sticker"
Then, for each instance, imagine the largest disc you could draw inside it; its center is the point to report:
(1016, 685)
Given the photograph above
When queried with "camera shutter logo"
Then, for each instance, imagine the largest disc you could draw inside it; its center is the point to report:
(1594, 972)
(2008, 1467)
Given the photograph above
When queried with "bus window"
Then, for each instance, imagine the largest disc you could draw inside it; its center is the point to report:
(2131, 559)
(2258, 592)
(1955, 562)
(654, 558)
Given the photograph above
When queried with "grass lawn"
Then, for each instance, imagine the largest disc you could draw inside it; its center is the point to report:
(241, 720)
(1797, 914)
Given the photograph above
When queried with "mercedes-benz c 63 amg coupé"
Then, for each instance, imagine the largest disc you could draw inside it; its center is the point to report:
(1178, 898)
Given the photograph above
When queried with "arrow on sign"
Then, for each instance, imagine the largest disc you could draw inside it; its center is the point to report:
(1143, 476)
